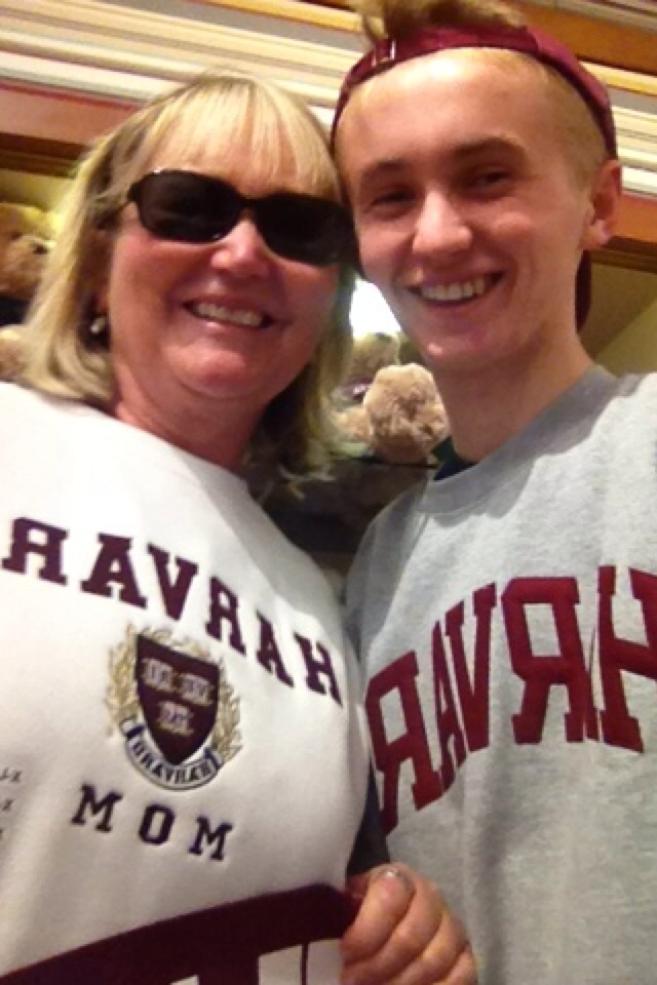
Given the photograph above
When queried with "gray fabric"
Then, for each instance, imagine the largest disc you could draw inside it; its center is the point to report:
(542, 828)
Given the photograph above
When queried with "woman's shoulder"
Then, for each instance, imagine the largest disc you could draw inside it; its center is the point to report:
(11, 392)
(16, 399)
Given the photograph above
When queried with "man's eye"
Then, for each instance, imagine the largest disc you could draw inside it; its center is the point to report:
(390, 198)
(490, 179)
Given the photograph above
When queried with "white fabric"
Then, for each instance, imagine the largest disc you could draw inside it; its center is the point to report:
(148, 541)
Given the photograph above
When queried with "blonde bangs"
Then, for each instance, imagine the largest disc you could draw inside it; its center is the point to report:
(275, 133)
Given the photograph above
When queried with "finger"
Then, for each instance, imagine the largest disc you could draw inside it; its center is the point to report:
(464, 971)
(447, 959)
(405, 941)
(386, 893)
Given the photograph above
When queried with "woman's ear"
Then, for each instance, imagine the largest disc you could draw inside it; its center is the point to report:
(102, 300)
(99, 254)
(604, 203)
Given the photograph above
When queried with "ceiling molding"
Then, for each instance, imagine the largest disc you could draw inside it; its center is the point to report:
(319, 14)
(119, 52)
(637, 13)
(598, 38)
(98, 35)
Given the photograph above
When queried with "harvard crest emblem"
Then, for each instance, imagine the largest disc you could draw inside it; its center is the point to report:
(175, 708)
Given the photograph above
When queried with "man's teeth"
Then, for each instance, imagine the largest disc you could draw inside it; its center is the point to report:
(455, 292)
(236, 316)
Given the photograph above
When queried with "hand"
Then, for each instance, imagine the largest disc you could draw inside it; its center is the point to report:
(403, 933)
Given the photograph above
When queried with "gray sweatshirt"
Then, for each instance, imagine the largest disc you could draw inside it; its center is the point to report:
(507, 621)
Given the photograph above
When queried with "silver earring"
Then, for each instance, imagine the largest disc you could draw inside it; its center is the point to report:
(98, 326)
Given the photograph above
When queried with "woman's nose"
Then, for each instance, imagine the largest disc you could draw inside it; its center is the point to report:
(242, 250)
(441, 228)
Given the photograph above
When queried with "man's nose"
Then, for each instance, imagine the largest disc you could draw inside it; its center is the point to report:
(441, 227)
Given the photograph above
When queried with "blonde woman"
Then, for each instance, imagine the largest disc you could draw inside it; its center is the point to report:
(183, 761)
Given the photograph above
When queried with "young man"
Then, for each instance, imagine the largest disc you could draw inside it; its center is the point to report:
(506, 611)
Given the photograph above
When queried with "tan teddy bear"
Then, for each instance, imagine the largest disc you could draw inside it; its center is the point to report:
(405, 413)
(26, 233)
(369, 354)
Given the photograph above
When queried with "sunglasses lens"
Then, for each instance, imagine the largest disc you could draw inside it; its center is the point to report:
(187, 207)
(307, 229)
(194, 208)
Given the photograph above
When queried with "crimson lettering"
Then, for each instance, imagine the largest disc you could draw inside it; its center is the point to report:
(114, 575)
(223, 606)
(462, 712)
(156, 824)
(540, 672)
(174, 592)
(114, 567)
(411, 745)
(204, 833)
(446, 718)
(617, 655)
(90, 803)
(473, 696)
(268, 653)
(46, 543)
(315, 668)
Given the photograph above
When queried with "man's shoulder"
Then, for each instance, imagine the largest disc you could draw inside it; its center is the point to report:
(635, 394)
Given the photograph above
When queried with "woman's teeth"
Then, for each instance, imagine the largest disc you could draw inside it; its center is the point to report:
(462, 291)
(234, 316)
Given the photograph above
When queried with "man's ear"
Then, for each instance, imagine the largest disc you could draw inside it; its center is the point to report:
(604, 203)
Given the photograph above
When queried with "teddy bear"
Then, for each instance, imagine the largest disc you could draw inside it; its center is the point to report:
(406, 416)
(383, 409)
(400, 419)
(26, 233)
(369, 354)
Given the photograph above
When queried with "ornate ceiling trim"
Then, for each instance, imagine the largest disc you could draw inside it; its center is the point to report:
(117, 51)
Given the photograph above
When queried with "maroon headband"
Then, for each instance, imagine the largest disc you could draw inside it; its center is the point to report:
(389, 52)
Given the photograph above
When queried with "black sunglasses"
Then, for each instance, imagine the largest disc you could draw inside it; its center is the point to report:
(194, 208)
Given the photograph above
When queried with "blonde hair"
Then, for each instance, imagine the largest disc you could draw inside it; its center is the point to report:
(398, 18)
(582, 139)
(212, 111)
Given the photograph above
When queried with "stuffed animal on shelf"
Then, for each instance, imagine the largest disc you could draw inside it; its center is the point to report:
(26, 233)
(369, 354)
(407, 418)
(401, 418)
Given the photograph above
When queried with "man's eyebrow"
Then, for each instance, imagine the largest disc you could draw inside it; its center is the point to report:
(382, 169)
(474, 148)
(390, 166)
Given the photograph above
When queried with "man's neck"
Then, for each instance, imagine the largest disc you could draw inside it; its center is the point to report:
(487, 407)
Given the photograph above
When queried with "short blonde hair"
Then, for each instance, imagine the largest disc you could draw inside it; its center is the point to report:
(223, 109)
(580, 135)
(582, 140)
